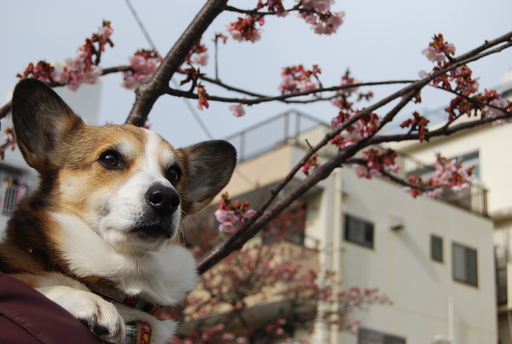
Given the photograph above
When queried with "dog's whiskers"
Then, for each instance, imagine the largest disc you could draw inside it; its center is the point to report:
(186, 225)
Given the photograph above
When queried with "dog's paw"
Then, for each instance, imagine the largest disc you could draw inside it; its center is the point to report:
(100, 316)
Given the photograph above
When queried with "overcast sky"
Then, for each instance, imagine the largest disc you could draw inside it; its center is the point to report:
(379, 40)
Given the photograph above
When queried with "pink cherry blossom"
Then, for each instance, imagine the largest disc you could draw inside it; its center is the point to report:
(448, 173)
(232, 216)
(76, 71)
(200, 59)
(317, 5)
(237, 110)
(438, 50)
(244, 29)
(361, 129)
(432, 54)
(325, 24)
(310, 165)
(203, 97)
(298, 79)
(493, 112)
(143, 63)
(377, 161)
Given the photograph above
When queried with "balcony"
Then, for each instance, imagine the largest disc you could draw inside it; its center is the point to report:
(12, 191)
(301, 130)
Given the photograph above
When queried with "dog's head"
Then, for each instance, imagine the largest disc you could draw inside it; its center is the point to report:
(126, 183)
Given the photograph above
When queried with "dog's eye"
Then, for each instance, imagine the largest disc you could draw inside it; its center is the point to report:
(110, 159)
(173, 175)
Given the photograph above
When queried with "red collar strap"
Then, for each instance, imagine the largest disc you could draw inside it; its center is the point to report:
(112, 294)
(142, 330)
(142, 333)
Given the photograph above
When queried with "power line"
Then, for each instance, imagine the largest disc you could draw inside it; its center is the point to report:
(175, 83)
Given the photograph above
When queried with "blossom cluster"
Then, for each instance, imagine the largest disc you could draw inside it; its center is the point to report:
(417, 123)
(438, 50)
(461, 80)
(376, 162)
(318, 14)
(202, 96)
(343, 98)
(198, 54)
(329, 291)
(232, 216)
(357, 131)
(81, 69)
(143, 65)
(311, 164)
(448, 173)
(274, 6)
(299, 79)
(10, 141)
(244, 29)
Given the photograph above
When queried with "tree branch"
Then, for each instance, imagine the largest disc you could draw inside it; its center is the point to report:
(147, 94)
(264, 216)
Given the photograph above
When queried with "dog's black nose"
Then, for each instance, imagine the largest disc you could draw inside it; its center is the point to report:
(163, 199)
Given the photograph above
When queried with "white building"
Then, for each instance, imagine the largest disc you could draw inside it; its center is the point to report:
(16, 177)
(485, 147)
(433, 258)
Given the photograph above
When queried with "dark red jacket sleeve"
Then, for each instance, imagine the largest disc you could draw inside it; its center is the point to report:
(29, 317)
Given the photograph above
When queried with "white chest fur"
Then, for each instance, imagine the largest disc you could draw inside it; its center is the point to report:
(162, 277)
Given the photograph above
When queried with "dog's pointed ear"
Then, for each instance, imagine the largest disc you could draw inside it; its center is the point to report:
(41, 121)
(209, 166)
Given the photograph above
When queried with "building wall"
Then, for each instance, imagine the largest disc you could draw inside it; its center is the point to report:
(400, 264)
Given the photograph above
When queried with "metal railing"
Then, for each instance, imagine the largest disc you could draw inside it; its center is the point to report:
(277, 131)
(474, 198)
(299, 129)
(11, 195)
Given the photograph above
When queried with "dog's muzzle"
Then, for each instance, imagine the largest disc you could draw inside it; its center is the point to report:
(162, 203)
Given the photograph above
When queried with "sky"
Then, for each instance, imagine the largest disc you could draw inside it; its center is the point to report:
(379, 41)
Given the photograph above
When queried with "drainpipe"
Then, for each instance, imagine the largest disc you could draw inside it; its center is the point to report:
(336, 235)
(451, 321)
(329, 254)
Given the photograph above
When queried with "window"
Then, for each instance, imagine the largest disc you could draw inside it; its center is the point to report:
(436, 248)
(367, 336)
(465, 264)
(358, 231)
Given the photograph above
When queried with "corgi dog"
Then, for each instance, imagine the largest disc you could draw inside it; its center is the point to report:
(100, 235)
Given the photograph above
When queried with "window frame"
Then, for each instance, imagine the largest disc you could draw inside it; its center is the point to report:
(368, 226)
(467, 264)
(433, 256)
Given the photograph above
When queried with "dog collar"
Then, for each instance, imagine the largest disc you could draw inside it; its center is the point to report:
(113, 294)
(142, 330)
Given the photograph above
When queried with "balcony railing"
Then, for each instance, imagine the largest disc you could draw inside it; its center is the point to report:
(299, 129)
(12, 191)
(473, 198)
(279, 130)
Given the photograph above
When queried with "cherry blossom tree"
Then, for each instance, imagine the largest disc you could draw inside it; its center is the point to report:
(269, 288)
(357, 128)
